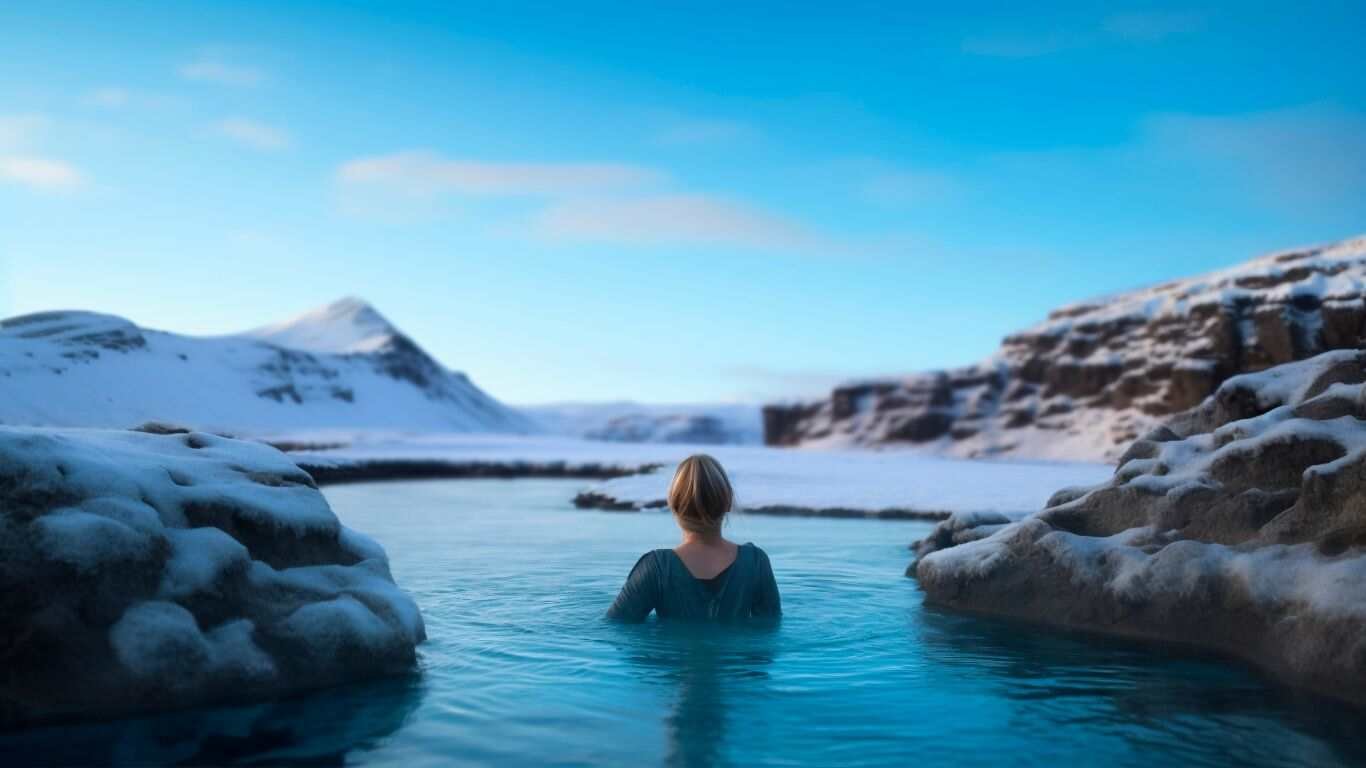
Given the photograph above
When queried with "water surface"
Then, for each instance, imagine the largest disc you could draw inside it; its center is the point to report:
(521, 670)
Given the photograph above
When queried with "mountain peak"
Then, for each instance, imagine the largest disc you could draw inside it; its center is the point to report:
(347, 305)
(347, 325)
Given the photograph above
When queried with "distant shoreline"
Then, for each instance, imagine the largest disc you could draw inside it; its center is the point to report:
(606, 502)
(382, 470)
(386, 470)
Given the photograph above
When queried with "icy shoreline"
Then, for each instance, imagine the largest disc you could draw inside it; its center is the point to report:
(881, 484)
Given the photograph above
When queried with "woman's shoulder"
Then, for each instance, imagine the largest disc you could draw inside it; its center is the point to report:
(653, 559)
(755, 551)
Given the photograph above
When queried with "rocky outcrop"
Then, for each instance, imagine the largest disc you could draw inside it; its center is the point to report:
(1240, 526)
(142, 572)
(1095, 376)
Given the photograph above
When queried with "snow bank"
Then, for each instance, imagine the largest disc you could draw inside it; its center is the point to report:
(862, 480)
(142, 572)
(1241, 526)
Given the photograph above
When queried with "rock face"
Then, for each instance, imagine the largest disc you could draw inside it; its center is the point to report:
(1240, 526)
(343, 366)
(1096, 375)
(142, 572)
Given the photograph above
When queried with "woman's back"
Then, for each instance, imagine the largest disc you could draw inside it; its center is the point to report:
(661, 582)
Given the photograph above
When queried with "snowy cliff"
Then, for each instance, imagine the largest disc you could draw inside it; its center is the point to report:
(142, 572)
(1096, 375)
(343, 366)
(1240, 525)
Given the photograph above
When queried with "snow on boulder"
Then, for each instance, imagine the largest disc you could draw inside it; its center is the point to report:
(1240, 526)
(142, 572)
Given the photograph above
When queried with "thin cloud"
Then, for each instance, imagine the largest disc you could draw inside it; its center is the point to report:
(1308, 154)
(43, 174)
(583, 202)
(1305, 161)
(111, 97)
(1017, 46)
(906, 187)
(19, 130)
(1147, 27)
(1153, 26)
(215, 67)
(674, 220)
(695, 131)
(426, 173)
(21, 165)
(253, 133)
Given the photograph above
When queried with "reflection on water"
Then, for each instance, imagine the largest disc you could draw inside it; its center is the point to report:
(1145, 691)
(701, 664)
(315, 730)
(521, 668)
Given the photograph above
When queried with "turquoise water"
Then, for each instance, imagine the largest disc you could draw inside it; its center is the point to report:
(520, 670)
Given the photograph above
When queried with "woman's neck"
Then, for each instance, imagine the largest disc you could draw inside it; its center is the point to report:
(703, 538)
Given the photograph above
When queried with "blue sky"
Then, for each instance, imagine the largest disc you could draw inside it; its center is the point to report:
(683, 202)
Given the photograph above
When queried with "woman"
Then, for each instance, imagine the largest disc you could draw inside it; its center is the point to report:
(705, 577)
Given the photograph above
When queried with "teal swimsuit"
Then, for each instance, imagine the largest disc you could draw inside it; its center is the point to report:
(660, 582)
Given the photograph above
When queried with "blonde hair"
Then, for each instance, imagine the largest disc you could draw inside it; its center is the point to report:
(700, 494)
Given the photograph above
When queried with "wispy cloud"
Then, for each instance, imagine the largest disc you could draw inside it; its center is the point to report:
(1153, 26)
(905, 187)
(109, 97)
(1300, 162)
(216, 67)
(253, 133)
(21, 165)
(1308, 154)
(675, 220)
(1144, 27)
(694, 131)
(119, 97)
(610, 203)
(43, 174)
(1018, 45)
(425, 173)
(20, 130)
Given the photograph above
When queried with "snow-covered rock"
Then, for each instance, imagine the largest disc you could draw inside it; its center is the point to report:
(1241, 526)
(343, 366)
(1094, 376)
(628, 422)
(142, 572)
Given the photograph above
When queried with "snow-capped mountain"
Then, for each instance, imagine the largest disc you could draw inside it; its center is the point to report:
(1095, 375)
(340, 367)
(628, 422)
(346, 326)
